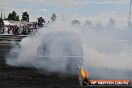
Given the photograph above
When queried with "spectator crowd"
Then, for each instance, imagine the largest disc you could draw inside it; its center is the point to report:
(19, 29)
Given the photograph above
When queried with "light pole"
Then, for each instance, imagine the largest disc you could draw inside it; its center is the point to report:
(1, 13)
(129, 18)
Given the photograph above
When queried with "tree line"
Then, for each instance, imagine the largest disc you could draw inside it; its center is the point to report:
(25, 17)
(13, 16)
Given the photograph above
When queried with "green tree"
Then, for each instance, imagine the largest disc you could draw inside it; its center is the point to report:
(13, 16)
(88, 24)
(25, 16)
(10, 16)
(53, 17)
(76, 22)
(17, 18)
(41, 21)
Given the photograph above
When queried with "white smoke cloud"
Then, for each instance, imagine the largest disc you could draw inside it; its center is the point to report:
(107, 49)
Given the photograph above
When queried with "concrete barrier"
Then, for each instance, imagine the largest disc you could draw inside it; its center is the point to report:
(6, 43)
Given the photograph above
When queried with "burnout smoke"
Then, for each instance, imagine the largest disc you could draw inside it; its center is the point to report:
(106, 54)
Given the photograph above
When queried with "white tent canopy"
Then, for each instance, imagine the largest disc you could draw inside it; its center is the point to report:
(7, 23)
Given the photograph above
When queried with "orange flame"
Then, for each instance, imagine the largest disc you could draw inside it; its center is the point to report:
(84, 73)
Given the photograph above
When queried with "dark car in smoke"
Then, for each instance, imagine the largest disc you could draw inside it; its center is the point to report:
(61, 52)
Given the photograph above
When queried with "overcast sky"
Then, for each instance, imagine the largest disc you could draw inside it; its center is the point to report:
(95, 10)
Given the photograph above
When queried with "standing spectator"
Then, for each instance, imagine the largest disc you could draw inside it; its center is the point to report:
(20, 30)
(16, 30)
(6, 29)
(29, 30)
(13, 29)
(35, 26)
(24, 30)
(9, 29)
(1, 25)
